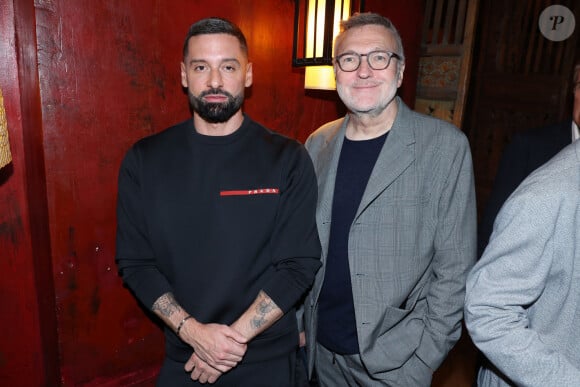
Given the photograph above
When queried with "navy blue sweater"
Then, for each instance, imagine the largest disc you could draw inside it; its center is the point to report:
(336, 317)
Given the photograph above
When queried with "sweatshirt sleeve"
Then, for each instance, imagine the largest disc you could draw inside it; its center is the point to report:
(294, 241)
(134, 256)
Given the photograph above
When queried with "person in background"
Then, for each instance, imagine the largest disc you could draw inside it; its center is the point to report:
(523, 296)
(216, 227)
(396, 217)
(526, 152)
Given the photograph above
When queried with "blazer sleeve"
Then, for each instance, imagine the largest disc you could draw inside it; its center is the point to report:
(454, 256)
(510, 277)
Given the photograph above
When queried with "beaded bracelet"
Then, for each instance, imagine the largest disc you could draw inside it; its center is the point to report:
(181, 325)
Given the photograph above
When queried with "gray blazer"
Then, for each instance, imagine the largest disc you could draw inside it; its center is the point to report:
(411, 245)
(523, 297)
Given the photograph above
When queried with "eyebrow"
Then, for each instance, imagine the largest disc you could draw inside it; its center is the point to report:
(371, 50)
(225, 60)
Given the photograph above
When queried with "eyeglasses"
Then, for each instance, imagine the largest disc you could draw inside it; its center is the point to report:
(377, 60)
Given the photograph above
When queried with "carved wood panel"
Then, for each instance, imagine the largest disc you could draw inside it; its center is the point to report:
(446, 54)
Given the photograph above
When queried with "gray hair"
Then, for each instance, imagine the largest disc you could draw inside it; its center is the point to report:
(370, 18)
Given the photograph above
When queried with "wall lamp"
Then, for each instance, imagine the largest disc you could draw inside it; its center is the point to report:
(316, 24)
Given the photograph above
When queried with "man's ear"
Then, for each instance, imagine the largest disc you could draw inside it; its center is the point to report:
(183, 75)
(249, 75)
(400, 71)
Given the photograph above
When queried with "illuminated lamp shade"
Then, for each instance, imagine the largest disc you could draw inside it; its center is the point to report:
(319, 78)
(316, 24)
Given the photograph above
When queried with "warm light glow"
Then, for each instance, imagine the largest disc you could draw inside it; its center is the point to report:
(318, 15)
(310, 29)
(345, 11)
(321, 77)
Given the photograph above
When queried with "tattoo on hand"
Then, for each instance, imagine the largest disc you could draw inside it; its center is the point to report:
(166, 305)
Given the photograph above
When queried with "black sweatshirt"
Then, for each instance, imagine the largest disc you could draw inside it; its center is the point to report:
(216, 219)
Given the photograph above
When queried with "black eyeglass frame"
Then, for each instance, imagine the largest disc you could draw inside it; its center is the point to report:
(390, 54)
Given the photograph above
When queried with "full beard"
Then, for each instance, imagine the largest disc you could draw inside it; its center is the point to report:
(213, 112)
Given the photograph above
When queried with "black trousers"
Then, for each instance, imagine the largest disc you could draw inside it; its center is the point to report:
(276, 372)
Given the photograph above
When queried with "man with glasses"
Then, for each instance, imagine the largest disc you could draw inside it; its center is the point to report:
(396, 218)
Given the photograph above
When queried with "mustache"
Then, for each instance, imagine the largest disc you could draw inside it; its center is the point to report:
(215, 92)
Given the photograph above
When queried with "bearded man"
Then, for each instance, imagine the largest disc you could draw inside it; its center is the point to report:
(216, 227)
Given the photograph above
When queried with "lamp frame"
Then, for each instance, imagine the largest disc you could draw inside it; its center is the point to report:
(299, 59)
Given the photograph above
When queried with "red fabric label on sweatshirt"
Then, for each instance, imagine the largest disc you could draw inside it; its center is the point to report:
(246, 192)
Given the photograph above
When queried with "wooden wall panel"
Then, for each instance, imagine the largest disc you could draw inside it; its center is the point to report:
(408, 19)
(520, 81)
(28, 349)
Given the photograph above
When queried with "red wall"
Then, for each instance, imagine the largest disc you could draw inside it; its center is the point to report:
(27, 321)
(81, 82)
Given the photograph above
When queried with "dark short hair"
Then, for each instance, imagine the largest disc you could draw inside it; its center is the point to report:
(215, 25)
(371, 18)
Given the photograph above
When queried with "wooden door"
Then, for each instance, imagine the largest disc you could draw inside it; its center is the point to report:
(521, 80)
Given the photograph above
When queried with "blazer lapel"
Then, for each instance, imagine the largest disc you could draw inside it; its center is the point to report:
(326, 171)
(396, 156)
